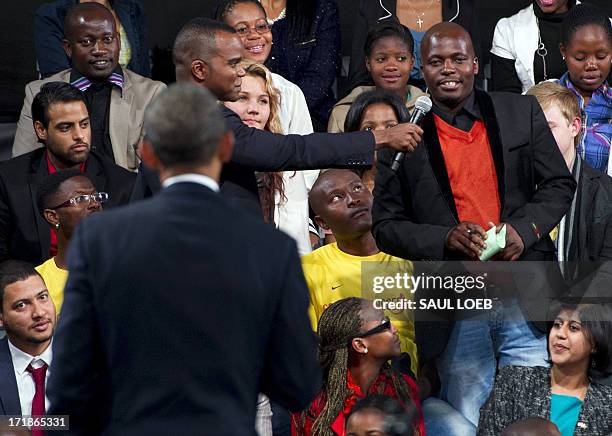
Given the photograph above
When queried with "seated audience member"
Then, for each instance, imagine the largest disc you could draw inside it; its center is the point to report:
(377, 415)
(525, 47)
(579, 344)
(356, 342)
(131, 25)
(343, 205)
(283, 195)
(389, 59)
(374, 110)
(586, 46)
(584, 234)
(64, 199)
(62, 125)
(27, 314)
(248, 18)
(204, 51)
(532, 427)
(306, 50)
(415, 19)
(116, 97)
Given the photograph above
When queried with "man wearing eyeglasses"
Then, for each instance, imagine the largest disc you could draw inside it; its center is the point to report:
(64, 200)
(61, 122)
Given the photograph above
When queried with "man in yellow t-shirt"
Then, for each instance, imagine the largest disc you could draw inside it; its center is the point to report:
(64, 199)
(343, 204)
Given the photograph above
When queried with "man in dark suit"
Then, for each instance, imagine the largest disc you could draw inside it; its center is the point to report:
(61, 123)
(27, 314)
(207, 53)
(485, 159)
(176, 326)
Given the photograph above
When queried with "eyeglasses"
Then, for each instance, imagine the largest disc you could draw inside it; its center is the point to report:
(98, 197)
(385, 325)
(260, 28)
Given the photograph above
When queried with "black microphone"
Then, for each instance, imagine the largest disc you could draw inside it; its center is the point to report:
(421, 107)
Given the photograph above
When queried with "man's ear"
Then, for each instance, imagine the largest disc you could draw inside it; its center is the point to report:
(40, 130)
(51, 217)
(67, 47)
(199, 70)
(359, 345)
(476, 66)
(1, 320)
(321, 222)
(576, 126)
(226, 147)
(148, 156)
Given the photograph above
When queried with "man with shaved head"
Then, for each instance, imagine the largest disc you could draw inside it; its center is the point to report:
(207, 53)
(487, 159)
(116, 97)
(342, 204)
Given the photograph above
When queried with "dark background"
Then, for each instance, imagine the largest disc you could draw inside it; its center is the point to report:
(18, 66)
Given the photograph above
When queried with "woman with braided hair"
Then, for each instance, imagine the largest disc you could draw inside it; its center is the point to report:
(356, 342)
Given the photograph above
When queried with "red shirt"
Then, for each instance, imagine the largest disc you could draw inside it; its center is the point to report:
(471, 172)
(382, 385)
(52, 170)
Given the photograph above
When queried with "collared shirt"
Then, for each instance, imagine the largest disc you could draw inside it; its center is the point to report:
(594, 145)
(98, 96)
(200, 179)
(25, 382)
(464, 118)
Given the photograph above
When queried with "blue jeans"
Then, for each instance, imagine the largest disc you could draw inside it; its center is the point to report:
(441, 419)
(477, 346)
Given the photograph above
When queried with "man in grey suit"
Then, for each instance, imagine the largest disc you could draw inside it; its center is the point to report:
(180, 309)
(116, 97)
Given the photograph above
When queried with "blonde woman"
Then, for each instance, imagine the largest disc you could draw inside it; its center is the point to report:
(283, 195)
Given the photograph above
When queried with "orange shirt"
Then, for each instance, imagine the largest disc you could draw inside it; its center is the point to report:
(471, 172)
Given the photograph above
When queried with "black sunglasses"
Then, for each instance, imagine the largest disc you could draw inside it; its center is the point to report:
(385, 325)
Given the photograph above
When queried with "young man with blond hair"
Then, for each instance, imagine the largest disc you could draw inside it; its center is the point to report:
(584, 235)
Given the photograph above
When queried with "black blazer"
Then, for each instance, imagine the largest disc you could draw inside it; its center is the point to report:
(24, 234)
(414, 209)
(257, 150)
(370, 12)
(184, 320)
(9, 392)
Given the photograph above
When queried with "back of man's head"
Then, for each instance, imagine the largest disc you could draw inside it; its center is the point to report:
(534, 426)
(196, 40)
(53, 93)
(12, 271)
(184, 126)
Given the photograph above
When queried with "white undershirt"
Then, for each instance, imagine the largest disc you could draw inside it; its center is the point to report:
(25, 381)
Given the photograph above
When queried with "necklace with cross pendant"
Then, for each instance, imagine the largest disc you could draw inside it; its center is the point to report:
(420, 23)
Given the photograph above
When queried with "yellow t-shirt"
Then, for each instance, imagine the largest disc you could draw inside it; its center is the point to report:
(55, 279)
(332, 275)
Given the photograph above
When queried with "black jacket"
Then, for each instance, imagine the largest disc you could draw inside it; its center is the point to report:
(24, 234)
(182, 321)
(9, 392)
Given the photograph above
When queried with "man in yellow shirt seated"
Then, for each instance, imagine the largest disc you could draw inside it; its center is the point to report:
(64, 199)
(343, 204)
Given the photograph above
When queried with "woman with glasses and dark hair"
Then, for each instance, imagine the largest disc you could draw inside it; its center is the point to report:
(580, 348)
(356, 343)
(64, 199)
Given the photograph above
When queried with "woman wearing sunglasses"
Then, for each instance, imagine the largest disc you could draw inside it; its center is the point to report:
(356, 342)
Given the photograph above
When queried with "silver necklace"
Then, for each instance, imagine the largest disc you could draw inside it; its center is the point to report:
(541, 51)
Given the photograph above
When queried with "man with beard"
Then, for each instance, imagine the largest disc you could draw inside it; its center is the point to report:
(64, 200)
(486, 159)
(116, 97)
(27, 314)
(62, 125)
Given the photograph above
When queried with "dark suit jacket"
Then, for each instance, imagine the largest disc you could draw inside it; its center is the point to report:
(9, 392)
(414, 209)
(24, 234)
(257, 150)
(187, 319)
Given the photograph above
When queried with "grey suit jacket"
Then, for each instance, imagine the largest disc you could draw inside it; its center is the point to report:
(9, 393)
(125, 119)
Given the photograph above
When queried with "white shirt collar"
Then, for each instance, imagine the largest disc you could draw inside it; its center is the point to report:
(192, 178)
(21, 359)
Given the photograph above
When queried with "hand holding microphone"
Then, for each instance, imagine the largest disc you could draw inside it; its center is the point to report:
(421, 107)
